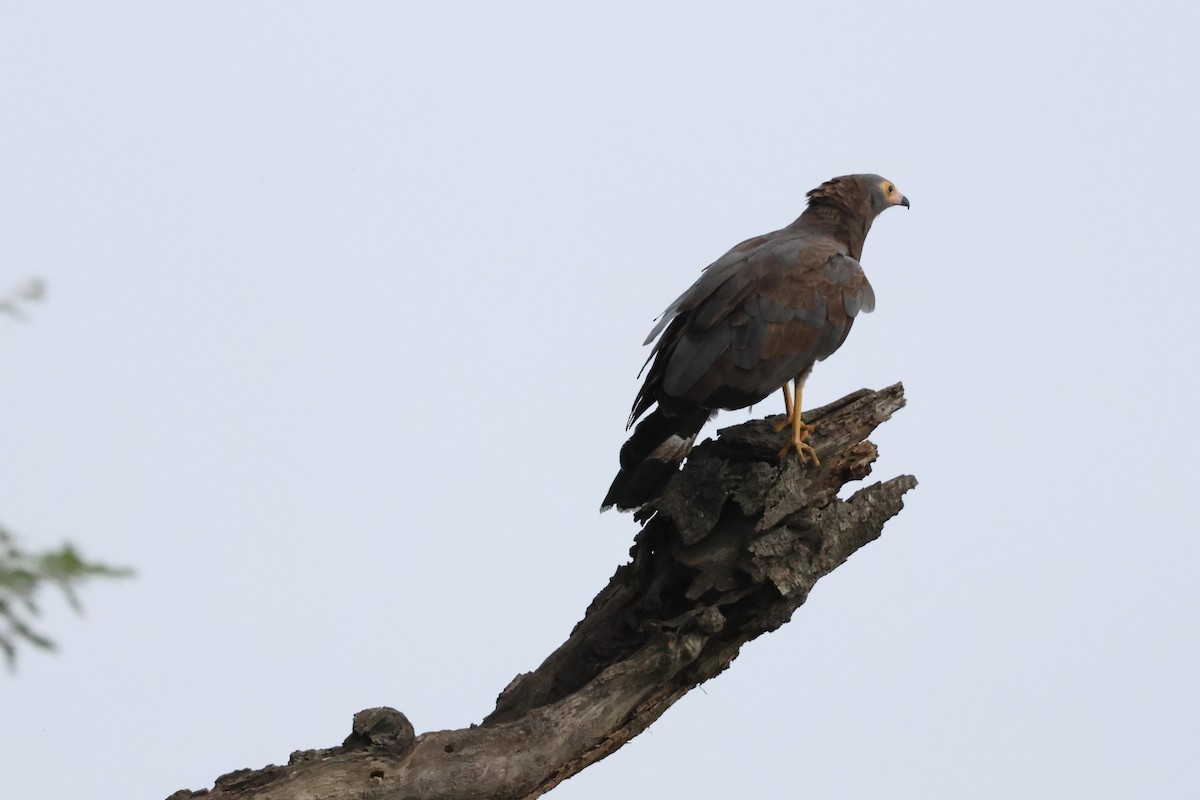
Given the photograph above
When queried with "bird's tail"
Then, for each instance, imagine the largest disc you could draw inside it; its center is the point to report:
(652, 456)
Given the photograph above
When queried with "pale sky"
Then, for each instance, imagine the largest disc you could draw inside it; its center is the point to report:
(344, 314)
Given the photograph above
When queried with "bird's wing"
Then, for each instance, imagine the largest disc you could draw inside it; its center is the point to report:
(788, 303)
(713, 276)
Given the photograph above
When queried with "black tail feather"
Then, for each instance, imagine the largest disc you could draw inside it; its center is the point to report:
(652, 456)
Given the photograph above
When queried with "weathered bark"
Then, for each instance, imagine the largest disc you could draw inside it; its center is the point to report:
(731, 550)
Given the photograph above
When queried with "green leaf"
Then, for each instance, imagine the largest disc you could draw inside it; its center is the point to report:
(24, 575)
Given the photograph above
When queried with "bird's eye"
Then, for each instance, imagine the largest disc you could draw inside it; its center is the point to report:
(890, 188)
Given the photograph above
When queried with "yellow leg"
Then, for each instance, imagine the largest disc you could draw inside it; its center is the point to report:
(787, 409)
(800, 431)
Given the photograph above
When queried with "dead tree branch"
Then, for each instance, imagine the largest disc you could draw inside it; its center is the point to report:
(732, 548)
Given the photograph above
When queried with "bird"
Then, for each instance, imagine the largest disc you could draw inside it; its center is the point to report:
(756, 320)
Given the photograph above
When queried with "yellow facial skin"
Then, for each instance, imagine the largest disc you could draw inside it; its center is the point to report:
(893, 195)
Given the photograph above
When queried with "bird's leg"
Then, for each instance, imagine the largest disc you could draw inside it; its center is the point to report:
(800, 431)
(787, 409)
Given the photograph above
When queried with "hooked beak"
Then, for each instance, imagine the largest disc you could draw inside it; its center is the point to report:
(904, 202)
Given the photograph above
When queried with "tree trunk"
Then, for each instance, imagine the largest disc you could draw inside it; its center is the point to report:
(729, 551)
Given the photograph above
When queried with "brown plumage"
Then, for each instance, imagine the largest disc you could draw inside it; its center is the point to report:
(758, 317)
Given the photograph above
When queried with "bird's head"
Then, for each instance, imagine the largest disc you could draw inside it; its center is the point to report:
(858, 195)
(883, 194)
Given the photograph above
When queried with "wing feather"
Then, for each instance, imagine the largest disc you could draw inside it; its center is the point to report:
(759, 316)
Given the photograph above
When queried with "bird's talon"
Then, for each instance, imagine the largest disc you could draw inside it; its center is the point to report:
(804, 452)
(810, 453)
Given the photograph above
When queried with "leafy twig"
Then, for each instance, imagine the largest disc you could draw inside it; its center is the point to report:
(24, 574)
